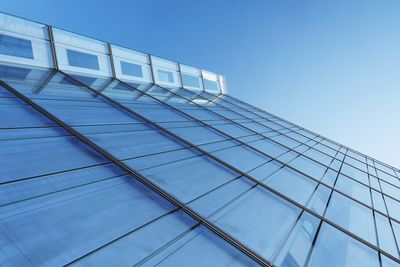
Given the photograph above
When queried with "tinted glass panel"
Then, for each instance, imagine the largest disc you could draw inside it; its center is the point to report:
(211, 85)
(292, 184)
(16, 47)
(352, 216)
(131, 69)
(297, 246)
(190, 80)
(165, 76)
(334, 248)
(82, 60)
(259, 219)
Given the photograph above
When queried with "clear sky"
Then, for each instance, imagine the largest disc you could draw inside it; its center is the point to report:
(330, 66)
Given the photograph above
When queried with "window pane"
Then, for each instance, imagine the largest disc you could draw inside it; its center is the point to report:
(330, 177)
(211, 85)
(354, 189)
(354, 173)
(292, 184)
(221, 196)
(385, 235)
(131, 69)
(165, 76)
(16, 47)
(270, 148)
(352, 216)
(296, 248)
(241, 157)
(265, 170)
(319, 199)
(318, 156)
(189, 80)
(201, 248)
(386, 262)
(82, 60)
(47, 229)
(190, 178)
(379, 204)
(334, 248)
(309, 167)
(259, 219)
(32, 157)
(393, 207)
(390, 190)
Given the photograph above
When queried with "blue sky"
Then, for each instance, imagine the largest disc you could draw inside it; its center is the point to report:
(331, 66)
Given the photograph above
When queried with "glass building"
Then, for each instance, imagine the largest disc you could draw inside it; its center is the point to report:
(113, 157)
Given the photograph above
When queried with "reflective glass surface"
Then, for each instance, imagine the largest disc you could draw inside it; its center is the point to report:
(220, 176)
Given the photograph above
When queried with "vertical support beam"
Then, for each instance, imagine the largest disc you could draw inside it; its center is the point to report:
(110, 53)
(202, 80)
(223, 82)
(180, 73)
(52, 47)
(151, 69)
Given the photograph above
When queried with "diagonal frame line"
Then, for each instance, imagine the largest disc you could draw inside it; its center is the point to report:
(213, 228)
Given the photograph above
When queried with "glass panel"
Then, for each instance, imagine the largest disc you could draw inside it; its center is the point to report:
(296, 248)
(180, 180)
(354, 173)
(43, 156)
(354, 189)
(259, 219)
(389, 178)
(165, 76)
(222, 196)
(385, 235)
(241, 157)
(211, 83)
(82, 60)
(390, 190)
(386, 262)
(24, 42)
(190, 81)
(131, 65)
(78, 54)
(200, 248)
(286, 141)
(191, 77)
(222, 83)
(309, 167)
(352, 216)
(329, 177)
(15, 114)
(265, 170)
(379, 204)
(356, 163)
(393, 207)
(16, 47)
(334, 248)
(36, 223)
(319, 199)
(270, 148)
(292, 184)
(131, 69)
(318, 156)
(165, 72)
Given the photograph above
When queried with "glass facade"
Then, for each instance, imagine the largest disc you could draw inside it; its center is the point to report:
(112, 157)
